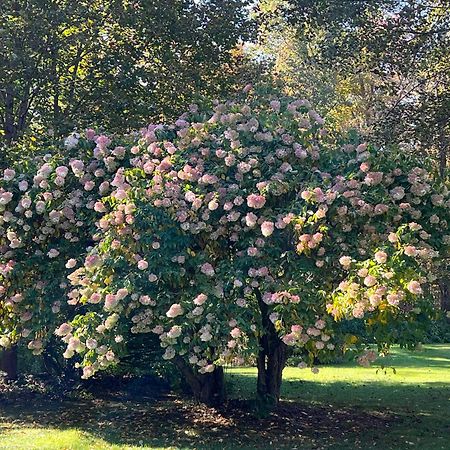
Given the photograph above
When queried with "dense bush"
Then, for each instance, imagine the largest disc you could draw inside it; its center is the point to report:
(245, 230)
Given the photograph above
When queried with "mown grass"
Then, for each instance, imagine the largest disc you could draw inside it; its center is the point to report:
(32, 438)
(38, 438)
(342, 407)
(412, 387)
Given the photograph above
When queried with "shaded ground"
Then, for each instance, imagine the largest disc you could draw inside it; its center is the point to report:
(173, 420)
(343, 407)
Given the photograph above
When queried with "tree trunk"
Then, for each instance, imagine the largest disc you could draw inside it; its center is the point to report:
(9, 127)
(443, 146)
(445, 294)
(208, 388)
(51, 363)
(15, 117)
(271, 360)
(8, 362)
(270, 372)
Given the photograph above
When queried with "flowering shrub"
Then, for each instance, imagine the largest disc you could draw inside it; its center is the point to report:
(246, 230)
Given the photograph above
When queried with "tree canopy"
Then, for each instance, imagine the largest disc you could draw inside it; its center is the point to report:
(248, 229)
(117, 64)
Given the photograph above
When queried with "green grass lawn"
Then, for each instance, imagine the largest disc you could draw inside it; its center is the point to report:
(342, 407)
(417, 394)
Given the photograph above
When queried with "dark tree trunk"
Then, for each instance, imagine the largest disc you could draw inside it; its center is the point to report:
(9, 127)
(8, 363)
(445, 294)
(51, 363)
(15, 116)
(443, 147)
(271, 363)
(271, 360)
(208, 388)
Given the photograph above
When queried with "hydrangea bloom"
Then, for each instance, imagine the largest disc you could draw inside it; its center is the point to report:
(246, 230)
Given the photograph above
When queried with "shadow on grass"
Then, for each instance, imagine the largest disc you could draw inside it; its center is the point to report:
(314, 414)
(184, 424)
(335, 415)
(430, 397)
(436, 356)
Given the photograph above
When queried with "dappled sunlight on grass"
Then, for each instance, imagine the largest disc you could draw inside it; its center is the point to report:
(27, 438)
(342, 407)
(430, 365)
(417, 393)
(48, 439)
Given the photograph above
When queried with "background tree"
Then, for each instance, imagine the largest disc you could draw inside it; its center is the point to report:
(115, 64)
(379, 66)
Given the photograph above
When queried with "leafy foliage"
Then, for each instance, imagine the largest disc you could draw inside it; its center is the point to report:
(115, 64)
(379, 66)
(225, 228)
